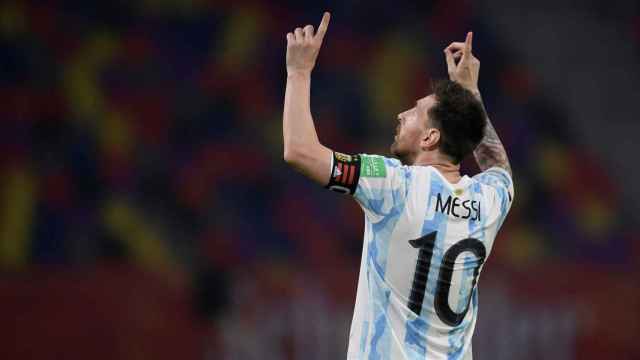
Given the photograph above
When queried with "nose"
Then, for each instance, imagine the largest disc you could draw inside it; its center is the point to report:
(404, 114)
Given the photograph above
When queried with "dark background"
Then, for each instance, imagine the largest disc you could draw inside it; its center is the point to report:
(146, 211)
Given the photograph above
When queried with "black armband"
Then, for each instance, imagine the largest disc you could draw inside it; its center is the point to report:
(345, 173)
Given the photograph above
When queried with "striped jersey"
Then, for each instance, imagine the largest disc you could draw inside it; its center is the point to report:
(425, 243)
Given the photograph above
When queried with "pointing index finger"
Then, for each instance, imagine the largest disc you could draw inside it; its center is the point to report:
(324, 24)
(468, 42)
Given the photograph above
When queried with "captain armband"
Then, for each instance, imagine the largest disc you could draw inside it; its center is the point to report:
(345, 173)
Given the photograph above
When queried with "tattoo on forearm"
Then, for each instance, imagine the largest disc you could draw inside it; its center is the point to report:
(490, 151)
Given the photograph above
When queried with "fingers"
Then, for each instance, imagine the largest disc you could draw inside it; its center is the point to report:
(308, 32)
(457, 49)
(466, 51)
(462, 49)
(456, 46)
(322, 28)
(466, 46)
(451, 64)
(299, 34)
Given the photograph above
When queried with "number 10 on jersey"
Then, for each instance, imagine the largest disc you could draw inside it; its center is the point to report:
(425, 245)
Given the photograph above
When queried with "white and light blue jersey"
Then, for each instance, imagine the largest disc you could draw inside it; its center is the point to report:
(425, 242)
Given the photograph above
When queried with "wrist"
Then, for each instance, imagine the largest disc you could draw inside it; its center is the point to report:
(303, 74)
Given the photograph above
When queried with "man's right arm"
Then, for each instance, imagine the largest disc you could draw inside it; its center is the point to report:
(490, 152)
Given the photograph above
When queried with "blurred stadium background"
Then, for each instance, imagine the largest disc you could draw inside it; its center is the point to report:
(146, 211)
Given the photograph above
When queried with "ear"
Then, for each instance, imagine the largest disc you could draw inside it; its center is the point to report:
(430, 139)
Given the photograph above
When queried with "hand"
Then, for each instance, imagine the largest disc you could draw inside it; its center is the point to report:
(303, 46)
(466, 72)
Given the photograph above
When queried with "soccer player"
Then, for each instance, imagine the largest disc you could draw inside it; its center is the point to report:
(428, 229)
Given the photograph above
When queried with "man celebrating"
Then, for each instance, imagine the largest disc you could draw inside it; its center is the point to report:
(428, 230)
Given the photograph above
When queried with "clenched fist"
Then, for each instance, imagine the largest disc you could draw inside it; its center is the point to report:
(466, 72)
(303, 46)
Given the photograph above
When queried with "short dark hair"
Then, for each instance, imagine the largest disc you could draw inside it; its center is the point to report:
(459, 116)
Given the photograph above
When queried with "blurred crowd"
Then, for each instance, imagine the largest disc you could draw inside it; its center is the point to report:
(146, 211)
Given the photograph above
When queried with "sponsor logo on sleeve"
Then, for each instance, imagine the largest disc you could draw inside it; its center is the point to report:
(373, 166)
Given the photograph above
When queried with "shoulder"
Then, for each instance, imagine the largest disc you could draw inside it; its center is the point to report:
(496, 182)
(494, 176)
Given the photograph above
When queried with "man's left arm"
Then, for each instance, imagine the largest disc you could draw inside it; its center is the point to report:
(302, 148)
(490, 152)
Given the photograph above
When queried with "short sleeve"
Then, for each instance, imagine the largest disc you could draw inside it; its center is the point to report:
(499, 179)
(382, 187)
(378, 183)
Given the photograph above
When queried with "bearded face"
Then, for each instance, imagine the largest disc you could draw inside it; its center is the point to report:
(411, 128)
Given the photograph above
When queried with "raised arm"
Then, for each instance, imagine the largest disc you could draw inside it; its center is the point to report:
(302, 149)
(490, 152)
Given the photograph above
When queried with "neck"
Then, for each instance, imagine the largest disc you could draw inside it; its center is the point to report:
(449, 170)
